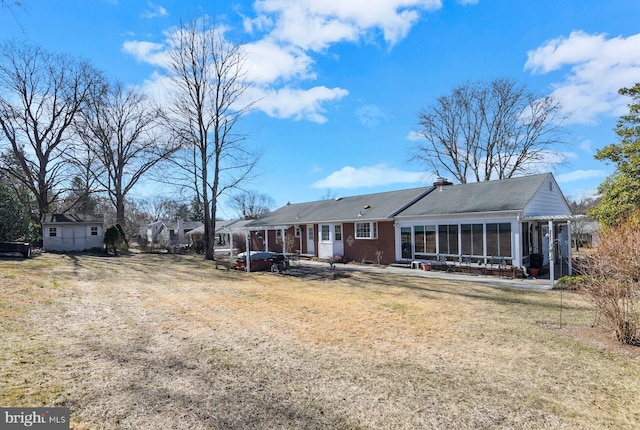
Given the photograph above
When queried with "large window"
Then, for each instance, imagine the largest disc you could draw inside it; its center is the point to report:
(94, 231)
(499, 239)
(424, 239)
(456, 240)
(53, 231)
(471, 239)
(448, 239)
(366, 230)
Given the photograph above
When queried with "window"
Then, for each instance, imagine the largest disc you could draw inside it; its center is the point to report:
(405, 239)
(310, 233)
(94, 231)
(424, 240)
(419, 239)
(297, 232)
(448, 239)
(366, 230)
(430, 237)
(471, 239)
(279, 235)
(324, 233)
(338, 232)
(499, 239)
(53, 231)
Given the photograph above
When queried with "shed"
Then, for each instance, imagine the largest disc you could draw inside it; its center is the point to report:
(72, 232)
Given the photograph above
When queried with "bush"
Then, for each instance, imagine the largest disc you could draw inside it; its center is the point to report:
(573, 283)
(613, 280)
(115, 238)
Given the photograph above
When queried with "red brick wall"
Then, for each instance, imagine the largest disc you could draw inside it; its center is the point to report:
(365, 249)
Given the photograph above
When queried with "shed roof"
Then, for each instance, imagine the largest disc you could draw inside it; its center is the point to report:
(68, 218)
(368, 207)
(490, 196)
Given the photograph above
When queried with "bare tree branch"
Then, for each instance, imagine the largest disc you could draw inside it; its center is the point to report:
(483, 131)
(208, 77)
(40, 95)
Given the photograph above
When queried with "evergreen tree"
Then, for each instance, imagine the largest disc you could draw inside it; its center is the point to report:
(621, 191)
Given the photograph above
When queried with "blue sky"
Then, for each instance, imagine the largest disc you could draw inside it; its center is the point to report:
(341, 82)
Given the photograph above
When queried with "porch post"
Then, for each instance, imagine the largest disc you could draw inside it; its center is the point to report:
(284, 242)
(248, 252)
(266, 240)
(570, 248)
(230, 242)
(552, 262)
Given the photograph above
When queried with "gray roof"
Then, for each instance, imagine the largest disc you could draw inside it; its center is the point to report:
(68, 218)
(368, 207)
(222, 226)
(491, 196)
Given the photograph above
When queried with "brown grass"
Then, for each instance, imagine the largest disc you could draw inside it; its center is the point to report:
(167, 341)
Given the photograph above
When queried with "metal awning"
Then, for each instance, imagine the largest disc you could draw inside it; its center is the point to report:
(546, 218)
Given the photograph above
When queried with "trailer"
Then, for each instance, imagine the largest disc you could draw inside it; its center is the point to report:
(23, 248)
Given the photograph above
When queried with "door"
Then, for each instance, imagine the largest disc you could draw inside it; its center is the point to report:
(311, 240)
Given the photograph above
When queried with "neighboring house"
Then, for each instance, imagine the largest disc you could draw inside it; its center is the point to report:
(585, 232)
(505, 219)
(225, 229)
(168, 232)
(72, 232)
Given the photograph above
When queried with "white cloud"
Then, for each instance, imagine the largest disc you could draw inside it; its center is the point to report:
(314, 25)
(414, 136)
(280, 61)
(468, 2)
(370, 115)
(154, 11)
(268, 62)
(369, 176)
(599, 67)
(297, 103)
(586, 145)
(146, 52)
(580, 175)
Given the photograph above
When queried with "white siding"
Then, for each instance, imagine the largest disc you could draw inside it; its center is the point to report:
(72, 237)
(548, 200)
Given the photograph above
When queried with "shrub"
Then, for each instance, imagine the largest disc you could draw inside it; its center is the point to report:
(114, 236)
(573, 283)
(613, 285)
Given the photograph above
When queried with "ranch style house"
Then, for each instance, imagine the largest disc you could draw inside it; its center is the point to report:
(479, 223)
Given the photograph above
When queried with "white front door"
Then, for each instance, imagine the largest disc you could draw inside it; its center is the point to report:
(311, 238)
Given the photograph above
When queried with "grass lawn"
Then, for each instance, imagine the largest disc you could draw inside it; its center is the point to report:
(167, 341)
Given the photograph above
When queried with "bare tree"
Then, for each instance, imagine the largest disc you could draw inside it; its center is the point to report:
(208, 82)
(121, 128)
(251, 204)
(164, 208)
(40, 95)
(494, 130)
